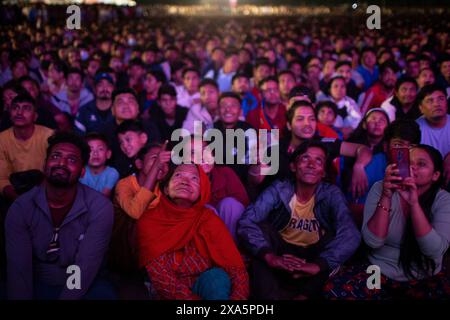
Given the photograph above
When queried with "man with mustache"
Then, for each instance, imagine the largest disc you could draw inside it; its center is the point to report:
(94, 115)
(22, 147)
(299, 230)
(58, 224)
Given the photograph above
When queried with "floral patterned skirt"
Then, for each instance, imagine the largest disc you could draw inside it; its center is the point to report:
(351, 284)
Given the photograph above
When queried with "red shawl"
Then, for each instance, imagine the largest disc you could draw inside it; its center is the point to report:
(168, 228)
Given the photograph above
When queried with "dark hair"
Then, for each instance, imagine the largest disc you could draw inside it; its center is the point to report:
(389, 64)
(72, 138)
(130, 125)
(329, 84)
(75, 70)
(97, 136)
(297, 104)
(158, 75)
(238, 75)
(229, 94)
(209, 82)
(186, 70)
(410, 253)
(144, 150)
(368, 49)
(327, 104)
(247, 51)
(136, 62)
(301, 91)
(444, 58)
(404, 129)
(167, 89)
(304, 146)
(414, 59)
(295, 61)
(267, 79)
(262, 61)
(405, 79)
(124, 91)
(24, 96)
(425, 69)
(218, 48)
(230, 53)
(60, 66)
(360, 135)
(292, 52)
(289, 72)
(343, 63)
(429, 89)
(21, 80)
(15, 61)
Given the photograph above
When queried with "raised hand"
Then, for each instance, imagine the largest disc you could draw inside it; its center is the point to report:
(391, 181)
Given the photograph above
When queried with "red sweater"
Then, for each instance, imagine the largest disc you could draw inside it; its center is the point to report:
(225, 183)
(258, 120)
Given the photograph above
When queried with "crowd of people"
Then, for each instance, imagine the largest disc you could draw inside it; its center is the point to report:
(87, 177)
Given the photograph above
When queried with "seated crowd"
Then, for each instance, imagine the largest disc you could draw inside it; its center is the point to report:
(90, 123)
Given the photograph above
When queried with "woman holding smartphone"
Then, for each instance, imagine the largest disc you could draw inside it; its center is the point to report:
(407, 228)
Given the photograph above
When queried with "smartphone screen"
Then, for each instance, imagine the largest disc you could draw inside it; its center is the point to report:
(400, 156)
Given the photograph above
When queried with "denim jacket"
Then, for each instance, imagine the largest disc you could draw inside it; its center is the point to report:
(340, 237)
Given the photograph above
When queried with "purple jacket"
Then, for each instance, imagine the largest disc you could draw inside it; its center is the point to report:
(84, 238)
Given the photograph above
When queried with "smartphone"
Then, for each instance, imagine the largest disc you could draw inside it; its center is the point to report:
(400, 156)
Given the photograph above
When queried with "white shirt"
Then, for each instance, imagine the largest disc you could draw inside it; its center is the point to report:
(186, 100)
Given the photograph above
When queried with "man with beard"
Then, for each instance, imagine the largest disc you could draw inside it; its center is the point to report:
(241, 86)
(58, 227)
(93, 116)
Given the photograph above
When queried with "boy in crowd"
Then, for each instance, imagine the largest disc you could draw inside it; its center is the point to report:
(98, 175)
(135, 192)
(207, 112)
(326, 115)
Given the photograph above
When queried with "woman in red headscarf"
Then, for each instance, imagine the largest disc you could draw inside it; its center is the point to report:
(185, 247)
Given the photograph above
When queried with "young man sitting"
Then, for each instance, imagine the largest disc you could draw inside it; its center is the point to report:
(299, 230)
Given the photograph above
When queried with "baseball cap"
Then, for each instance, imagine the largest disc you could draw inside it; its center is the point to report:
(368, 112)
(103, 75)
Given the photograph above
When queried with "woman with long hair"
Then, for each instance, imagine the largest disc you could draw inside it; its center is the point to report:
(407, 228)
